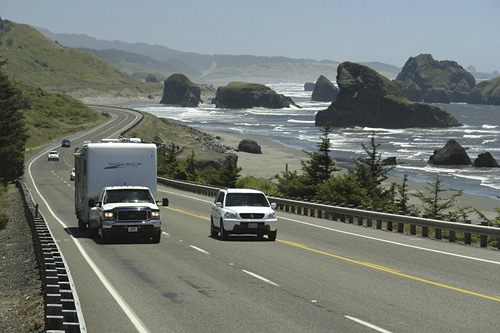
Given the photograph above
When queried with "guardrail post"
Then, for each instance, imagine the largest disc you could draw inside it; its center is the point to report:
(360, 219)
(369, 221)
(437, 231)
(483, 238)
(389, 223)
(452, 233)
(379, 221)
(498, 239)
(334, 214)
(413, 227)
(401, 226)
(351, 217)
(467, 235)
(319, 212)
(425, 230)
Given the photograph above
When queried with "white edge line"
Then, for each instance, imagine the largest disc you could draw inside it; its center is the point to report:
(198, 249)
(368, 237)
(395, 243)
(260, 278)
(121, 302)
(376, 328)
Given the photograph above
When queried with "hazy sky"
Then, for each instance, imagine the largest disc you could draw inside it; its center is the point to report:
(388, 31)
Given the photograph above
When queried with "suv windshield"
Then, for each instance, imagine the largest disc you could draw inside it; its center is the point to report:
(246, 199)
(115, 196)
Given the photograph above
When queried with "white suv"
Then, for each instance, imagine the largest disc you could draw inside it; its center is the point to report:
(243, 211)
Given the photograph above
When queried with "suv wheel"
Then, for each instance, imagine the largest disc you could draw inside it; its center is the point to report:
(223, 233)
(272, 235)
(213, 232)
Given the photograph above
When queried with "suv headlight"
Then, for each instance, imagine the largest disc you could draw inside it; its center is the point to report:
(108, 215)
(271, 215)
(155, 213)
(230, 215)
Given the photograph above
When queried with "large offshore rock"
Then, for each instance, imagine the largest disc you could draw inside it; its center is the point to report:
(179, 90)
(369, 99)
(451, 154)
(324, 90)
(485, 160)
(424, 79)
(487, 92)
(242, 95)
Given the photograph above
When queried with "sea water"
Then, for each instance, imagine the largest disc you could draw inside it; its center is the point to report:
(294, 127)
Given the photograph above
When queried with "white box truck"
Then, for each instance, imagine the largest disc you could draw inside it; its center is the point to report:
(115, 189)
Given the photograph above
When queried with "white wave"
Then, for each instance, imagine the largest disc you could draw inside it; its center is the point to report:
(490, 126)
(301, 121)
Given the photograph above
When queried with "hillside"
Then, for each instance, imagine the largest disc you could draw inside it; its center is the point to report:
(36, 60)
(218, 69)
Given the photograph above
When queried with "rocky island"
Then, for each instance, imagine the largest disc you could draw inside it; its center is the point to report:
(424, 79)
(180, 90)
(240, 95)
(367, 98)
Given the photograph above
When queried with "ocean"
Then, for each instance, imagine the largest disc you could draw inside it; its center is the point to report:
(294, 127)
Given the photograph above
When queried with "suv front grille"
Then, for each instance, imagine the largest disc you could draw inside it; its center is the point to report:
(133, 215)
(252, 216)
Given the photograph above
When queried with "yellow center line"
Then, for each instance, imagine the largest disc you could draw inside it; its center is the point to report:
(391, 271)
(366, 264)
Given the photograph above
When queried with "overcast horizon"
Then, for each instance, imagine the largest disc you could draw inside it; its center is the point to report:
(387, 31)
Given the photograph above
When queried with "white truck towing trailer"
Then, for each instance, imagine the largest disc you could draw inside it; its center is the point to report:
(115, 189)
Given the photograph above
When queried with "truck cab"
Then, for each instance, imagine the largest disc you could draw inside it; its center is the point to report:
(126, 210)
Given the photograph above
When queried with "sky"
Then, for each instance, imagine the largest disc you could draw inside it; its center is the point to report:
(388, 31)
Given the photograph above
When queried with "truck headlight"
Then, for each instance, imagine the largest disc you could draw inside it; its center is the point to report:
(108, 215)
(155, 213)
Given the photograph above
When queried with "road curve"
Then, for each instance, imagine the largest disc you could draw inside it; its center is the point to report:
(319, 276)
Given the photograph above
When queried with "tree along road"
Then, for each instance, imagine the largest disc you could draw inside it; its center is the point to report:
(317, 276)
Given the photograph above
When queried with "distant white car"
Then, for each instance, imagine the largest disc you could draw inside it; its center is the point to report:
(72, 174)
(53, 155)
(243, 211)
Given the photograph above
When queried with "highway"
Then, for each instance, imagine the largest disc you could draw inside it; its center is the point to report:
(318, 276)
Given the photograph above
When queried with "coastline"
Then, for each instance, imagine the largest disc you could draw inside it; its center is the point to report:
(275, 156)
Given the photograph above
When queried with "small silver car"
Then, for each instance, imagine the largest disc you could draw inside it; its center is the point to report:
(53, 155)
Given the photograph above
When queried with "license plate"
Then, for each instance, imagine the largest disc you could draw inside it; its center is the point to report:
(252, 225)
(133, 229)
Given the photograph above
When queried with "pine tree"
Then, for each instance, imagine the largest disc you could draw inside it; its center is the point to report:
(434, 204)
(320, 165)
(13, 135)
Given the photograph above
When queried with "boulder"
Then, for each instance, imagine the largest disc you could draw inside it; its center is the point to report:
(249, 146)
(242, 95)
(485, 160)
(324, 90)
(451, 154)
(309, 86)
(179, 90)
(424, 79)
(487, 92)
(367, 98)
(390, 161)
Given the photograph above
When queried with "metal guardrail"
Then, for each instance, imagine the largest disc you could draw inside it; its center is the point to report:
(61, 304)
(364, 217)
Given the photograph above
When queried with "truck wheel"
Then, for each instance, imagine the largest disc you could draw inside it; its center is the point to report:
(213, 232)
(105, 237)
(272, 235)
(81, 225)
(157, 237)
(223, 233)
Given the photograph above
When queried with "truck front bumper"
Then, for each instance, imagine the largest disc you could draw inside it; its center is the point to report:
(140, 227)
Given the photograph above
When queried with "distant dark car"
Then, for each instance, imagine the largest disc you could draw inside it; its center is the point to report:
(65, 143)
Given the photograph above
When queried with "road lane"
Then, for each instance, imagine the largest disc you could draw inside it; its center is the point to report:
(318, 276)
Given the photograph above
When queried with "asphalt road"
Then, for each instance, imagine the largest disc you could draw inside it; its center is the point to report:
(318, 276)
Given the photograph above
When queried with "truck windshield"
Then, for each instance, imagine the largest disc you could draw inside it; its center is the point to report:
(129, 195)
(246, 199)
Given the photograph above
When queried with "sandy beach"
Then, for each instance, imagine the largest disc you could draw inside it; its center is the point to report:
(275, 157)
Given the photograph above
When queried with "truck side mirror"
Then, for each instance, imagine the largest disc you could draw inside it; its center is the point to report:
(164, 202)
(91, 203)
